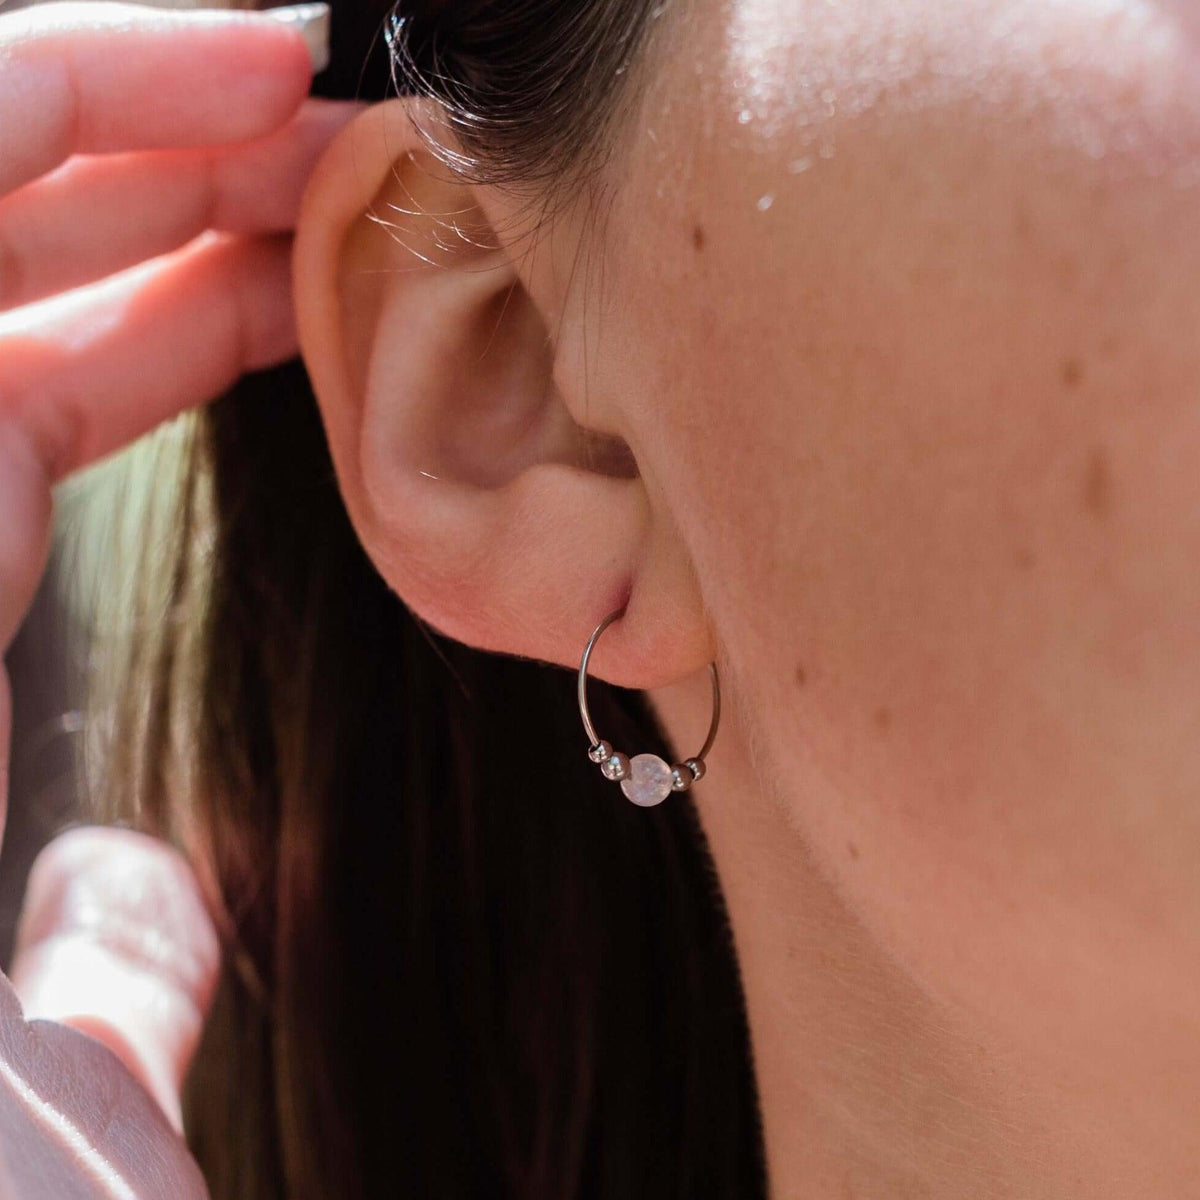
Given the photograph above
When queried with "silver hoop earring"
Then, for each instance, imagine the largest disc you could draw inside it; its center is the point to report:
(645, 779)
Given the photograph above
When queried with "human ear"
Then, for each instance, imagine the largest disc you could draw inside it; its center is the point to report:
(456, 431)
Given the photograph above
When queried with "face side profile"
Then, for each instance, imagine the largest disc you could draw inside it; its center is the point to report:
(896, 313)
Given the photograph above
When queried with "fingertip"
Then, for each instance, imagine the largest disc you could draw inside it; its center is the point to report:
(257, 72)
(189, 77)
(312, 23)
(105, 881)
(256, 273)
(114, 940)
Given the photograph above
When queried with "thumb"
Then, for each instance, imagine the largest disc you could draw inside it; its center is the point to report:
(115, 941)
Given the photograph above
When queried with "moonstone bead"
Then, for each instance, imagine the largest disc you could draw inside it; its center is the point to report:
(649, 780)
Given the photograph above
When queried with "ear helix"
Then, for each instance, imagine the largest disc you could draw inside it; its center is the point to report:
(645, 779)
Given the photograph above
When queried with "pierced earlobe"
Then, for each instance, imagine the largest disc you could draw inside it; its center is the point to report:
(645, 779)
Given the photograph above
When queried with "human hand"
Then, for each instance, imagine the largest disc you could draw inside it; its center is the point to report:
(114, 943)
(171, 147)
(124, 133)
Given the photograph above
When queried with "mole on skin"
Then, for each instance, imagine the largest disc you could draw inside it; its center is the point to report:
(698, 237)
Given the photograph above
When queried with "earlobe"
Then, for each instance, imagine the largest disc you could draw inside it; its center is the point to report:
(482, 501)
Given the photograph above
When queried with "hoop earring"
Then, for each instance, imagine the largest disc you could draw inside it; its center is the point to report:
(645, 779)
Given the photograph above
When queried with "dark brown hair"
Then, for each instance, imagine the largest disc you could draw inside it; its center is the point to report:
(454, 970)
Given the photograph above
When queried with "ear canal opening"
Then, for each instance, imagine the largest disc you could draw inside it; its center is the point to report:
(502, 412)
(607, 454)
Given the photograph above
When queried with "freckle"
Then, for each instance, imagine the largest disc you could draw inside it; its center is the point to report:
(1097, 486)
(883, 719)
(1024, 558)
(698, 237)
(1072, 372)
(852, 850)
(801, 675)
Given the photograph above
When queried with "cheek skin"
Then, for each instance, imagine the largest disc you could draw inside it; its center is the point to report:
(929, 421)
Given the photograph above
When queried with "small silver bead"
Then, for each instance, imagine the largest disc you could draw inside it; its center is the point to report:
(615, 767)
(681, 779)
(697, 768)
(599, 752)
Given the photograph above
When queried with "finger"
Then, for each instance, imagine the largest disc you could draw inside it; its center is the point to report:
(76, 1125)
(25, 509)
(85, 78)
(114, 940)
(97, 215)
(5, 737)
(82, 375)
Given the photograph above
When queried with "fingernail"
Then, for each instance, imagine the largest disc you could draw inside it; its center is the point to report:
(312, 21)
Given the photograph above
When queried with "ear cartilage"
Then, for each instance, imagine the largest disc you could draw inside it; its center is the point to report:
(645, 779)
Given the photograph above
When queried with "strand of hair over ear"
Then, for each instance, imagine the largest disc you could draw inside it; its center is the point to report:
(528, 88)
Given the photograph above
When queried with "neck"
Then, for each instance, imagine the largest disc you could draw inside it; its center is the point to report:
(868, 1087)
